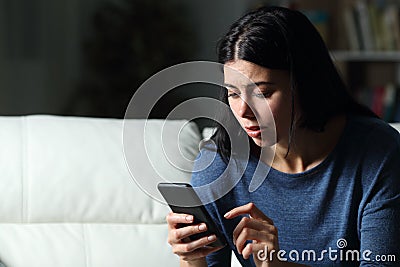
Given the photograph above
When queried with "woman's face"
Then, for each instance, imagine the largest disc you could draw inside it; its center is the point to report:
(260, 99)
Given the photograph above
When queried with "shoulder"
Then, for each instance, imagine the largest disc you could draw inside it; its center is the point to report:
(375, 143)
(378, 147)
(372, 134)
(371, 147)
(208, 166)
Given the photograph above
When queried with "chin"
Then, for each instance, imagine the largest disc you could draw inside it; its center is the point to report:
(257, 141)
(263, 143)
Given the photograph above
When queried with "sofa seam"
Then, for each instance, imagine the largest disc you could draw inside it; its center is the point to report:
(24, 162)
(22, 169)
(86, 244)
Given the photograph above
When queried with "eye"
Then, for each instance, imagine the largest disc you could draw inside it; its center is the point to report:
(233, 95)
(264, 94)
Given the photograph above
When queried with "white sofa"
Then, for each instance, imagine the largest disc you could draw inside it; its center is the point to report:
(68, 199)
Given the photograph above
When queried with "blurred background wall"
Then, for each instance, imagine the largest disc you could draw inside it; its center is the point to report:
(86, 58)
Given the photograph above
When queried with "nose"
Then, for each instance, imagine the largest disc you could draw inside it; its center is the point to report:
(244, 110)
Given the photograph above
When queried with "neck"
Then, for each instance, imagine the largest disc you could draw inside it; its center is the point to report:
(308, 148)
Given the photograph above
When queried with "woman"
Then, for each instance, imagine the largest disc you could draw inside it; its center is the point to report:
(332, 194)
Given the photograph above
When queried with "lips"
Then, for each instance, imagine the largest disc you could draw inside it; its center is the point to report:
(253, 131)
(252, 128)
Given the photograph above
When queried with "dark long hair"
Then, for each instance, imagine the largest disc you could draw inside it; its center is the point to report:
(280, 38)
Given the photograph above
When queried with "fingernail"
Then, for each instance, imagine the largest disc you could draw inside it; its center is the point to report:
(211, 238)
(234, 242)
(202, 227)
(189, 218)
(227, 214)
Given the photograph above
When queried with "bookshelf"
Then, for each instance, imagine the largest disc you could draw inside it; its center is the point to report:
(374, 78)
(366, 56)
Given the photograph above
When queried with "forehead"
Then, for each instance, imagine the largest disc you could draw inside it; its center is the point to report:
(244, 72)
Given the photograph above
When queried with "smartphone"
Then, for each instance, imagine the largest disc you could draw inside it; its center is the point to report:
(182, 198)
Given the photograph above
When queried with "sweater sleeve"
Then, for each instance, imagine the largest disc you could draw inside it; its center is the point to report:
(220, 258)
(380, 227)
(208, 167)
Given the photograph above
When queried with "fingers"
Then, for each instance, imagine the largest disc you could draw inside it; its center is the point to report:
(253, 229)
(176, 235)
(176, 218)
(258, 228)
(250, 209)
(257, 231)
(184, 248)
(258, 225)
(179, 231)
(269, 240)
(254, 249)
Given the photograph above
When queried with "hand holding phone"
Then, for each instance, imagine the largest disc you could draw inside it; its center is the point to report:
(182, 199)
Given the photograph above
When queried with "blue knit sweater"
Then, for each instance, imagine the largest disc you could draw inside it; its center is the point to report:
(345, 211)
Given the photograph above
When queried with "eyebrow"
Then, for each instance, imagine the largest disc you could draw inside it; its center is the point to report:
(249, 85)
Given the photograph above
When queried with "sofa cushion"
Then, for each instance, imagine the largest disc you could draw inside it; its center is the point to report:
(69, 169)
(84, 245)
(68, 198)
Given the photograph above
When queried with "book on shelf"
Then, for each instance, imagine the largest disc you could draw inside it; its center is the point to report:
(372, 25)
(351, 29)
(384, 101)
(389, 102)
(364, 22)
(376, 21)
(378, 100)
(392, 24)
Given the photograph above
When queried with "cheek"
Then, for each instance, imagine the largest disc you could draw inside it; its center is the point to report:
(282, 115)
(233, 106)
(264, 112)
(275, 112)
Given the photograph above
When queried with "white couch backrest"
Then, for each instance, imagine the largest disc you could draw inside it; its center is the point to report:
(68, 199)
(63, 169)
(396, 125)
